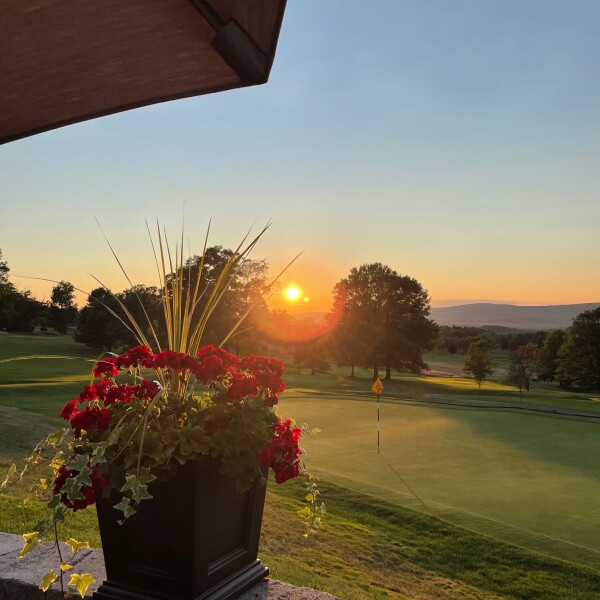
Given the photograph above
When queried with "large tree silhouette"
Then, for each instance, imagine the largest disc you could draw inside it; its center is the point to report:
(385, 320)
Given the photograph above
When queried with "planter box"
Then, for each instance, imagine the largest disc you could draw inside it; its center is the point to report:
(197, 539)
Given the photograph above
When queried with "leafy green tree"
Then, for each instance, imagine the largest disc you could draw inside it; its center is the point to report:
(312, 355)
(246, 287)
(349, 337)
(549, 355)
(19, 310)
(4, 270)
(62, 306)
(99, 328)
(7, 292)
(579, 356)
(386, 313)
(478, 362)
(523, 364)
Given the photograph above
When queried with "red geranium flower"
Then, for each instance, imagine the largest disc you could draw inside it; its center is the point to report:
(281, 454)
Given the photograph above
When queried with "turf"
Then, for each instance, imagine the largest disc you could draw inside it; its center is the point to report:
(512, 492)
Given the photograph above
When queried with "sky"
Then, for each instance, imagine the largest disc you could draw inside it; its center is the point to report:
(457, 142)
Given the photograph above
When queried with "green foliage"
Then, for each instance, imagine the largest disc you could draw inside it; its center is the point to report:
(478, 361)
(62, 308)
(312, 354)
(456, 338)
(579, 356)
(523, 364)
(384, 315)
(98, 327)
(549, 352)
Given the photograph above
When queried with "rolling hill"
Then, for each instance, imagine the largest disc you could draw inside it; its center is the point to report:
(557, 316)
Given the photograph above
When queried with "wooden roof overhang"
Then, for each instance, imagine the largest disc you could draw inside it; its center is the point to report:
(66, 61)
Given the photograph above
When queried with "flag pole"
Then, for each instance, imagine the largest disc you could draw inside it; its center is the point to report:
(378, 388)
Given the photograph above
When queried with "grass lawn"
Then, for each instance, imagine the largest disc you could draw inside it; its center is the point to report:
(516, 495)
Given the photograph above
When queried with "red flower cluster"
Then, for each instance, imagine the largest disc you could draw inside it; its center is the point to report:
(243, 378)
(268, 373)
(89, 491)
(91, 417)
(281, 454)
(109, 393)
(246, 377)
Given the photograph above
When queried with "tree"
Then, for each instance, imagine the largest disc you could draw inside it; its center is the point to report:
(523, 363)
(18, 310)
(549, 355)
(7, 291)
(385, 319)
(478, 362)
(4, 270)
(312, 355)
(99, 328)
(62, 306)
(349, 334)
(579, 356)
(247, 284)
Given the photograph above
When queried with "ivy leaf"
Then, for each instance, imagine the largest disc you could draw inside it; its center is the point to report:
(138, 491)
(72, 489)
(13, 469)
(125, 507)
(47, 580)
(81, 582)
(79, 463)
(83, 478)
(76, 546)
(145, 476)
(57, 462)
(58, 515)
(54, 502)
(56, 437)
(43, 484)
(31, 541)
(309, 497)
(65, 566)
(305, 512)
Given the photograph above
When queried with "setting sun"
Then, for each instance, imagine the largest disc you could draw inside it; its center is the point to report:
(292, 293)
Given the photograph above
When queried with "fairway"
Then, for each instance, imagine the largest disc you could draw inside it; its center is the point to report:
(532, 480)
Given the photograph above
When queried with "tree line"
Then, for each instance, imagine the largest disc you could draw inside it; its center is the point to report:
(379, 319)
(20, 311)
(570, 357)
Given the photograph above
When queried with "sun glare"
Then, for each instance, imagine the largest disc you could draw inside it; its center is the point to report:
(292, 293)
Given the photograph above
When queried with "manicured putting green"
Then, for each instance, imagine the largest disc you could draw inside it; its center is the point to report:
(531, 480)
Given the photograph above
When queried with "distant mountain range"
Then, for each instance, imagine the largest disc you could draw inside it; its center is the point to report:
(557, 316)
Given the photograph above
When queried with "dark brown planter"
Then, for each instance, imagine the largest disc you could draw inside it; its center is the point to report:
(197, 539)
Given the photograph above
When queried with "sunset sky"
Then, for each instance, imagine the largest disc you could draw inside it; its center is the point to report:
(457, 142)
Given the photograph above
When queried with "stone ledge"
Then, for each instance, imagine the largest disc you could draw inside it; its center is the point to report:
(19, 579)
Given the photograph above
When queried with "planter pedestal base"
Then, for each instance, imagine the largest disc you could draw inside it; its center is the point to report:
(197, 539)
(227, 590)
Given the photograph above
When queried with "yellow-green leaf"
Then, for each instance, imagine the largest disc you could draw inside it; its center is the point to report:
(13, 469)
(47, 580)
(65, 566)
(75, 545)
(44, 484)
(81, 582)
(305, 512)
(56, 464)
(31, 540)
(56, 437)
(309, 497)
